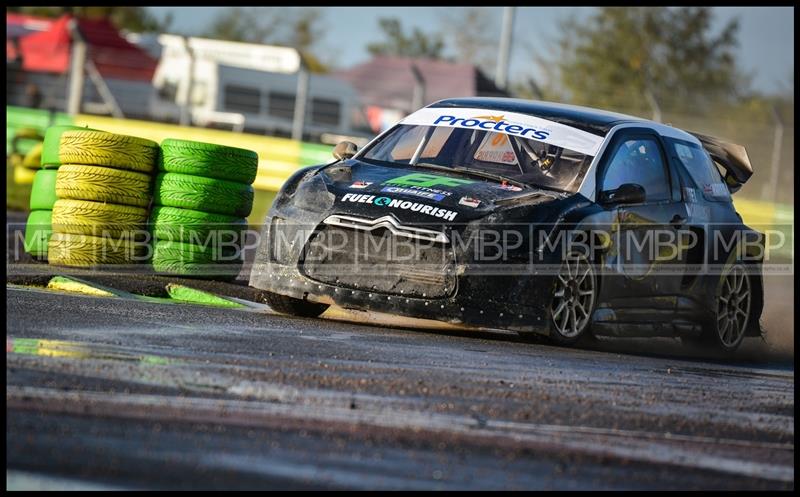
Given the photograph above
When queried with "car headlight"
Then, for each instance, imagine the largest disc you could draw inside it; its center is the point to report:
(313, 195)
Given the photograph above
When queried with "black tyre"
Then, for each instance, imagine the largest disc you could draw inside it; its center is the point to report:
(733, 310)
(293, 306)
(209, 160)
(574, 299)
(203, 194)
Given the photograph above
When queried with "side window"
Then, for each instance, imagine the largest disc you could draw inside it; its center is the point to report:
(701, 168)
(639, 161)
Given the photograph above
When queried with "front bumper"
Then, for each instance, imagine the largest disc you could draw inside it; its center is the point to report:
(517, 301)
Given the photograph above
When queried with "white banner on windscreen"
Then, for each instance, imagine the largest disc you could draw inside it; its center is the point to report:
(510, 123)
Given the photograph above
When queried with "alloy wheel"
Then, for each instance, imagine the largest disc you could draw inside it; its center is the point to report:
(574, 296)
(733, 307)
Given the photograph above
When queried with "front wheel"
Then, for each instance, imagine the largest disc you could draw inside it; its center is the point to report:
(574, 299)
(293, 306)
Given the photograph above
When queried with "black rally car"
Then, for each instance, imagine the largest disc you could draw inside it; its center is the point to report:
(522, 215)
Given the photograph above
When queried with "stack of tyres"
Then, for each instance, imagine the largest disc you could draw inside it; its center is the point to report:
(38, 228)
(202, 196)
(26, 153)
(43, 191)
(103, 193)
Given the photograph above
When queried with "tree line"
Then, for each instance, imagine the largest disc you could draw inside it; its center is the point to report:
(636, 59)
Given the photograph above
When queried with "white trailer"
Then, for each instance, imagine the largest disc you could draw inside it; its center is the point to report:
(244, 86)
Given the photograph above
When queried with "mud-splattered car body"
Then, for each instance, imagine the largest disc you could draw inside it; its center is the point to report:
(364, 197)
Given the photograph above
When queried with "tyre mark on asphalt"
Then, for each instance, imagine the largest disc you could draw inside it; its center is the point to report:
(683, 452)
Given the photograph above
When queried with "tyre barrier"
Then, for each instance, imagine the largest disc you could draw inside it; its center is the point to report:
(38, 230)
(103, 191)
(33, 159)
(202, 196)
(43, 190)
(23, 175)
(103, 184)
(208, 160)
(99, 148)
(188, 259)
(67, 249)
(50, 146)
(198, 227)
(82, 217)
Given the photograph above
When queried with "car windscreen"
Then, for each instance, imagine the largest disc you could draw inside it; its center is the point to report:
(525, 160)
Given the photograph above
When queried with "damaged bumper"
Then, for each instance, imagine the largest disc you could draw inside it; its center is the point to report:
(439, 282)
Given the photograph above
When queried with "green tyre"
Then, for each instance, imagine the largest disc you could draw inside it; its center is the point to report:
(190, 226)
(38, 230)
(208, 160)
(43, 190)
(187, 259)
(203, 194)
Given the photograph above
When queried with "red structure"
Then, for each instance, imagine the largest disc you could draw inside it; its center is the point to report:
(50, 50)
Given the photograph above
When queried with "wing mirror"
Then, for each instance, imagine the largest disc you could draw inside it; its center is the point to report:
(627, 193)
(345, 150)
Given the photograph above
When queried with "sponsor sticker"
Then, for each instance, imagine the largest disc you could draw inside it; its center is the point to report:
(469, 202)
(360, 184)
(427, 180)
(394, 203)
(719, 190)
(505, 185)
(509, 123)
(424, 193)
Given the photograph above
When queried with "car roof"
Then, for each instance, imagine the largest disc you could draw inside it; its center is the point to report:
(587, 119)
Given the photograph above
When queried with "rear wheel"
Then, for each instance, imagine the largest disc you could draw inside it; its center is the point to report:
(574, 298)
(293, 306)
(732, 310)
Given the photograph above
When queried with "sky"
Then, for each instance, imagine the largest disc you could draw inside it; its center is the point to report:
(766, 34)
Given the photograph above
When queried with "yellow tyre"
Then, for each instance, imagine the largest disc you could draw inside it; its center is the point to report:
(23, 175)
(67, 249)
(98, 148)
(80, 217)
(103, 184)
(33, 159)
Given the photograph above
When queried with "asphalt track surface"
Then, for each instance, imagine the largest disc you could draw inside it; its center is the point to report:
(116, 393)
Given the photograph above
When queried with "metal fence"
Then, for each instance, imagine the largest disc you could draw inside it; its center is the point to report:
(767, 136)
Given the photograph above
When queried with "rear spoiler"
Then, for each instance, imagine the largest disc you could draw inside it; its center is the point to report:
(733, 158)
